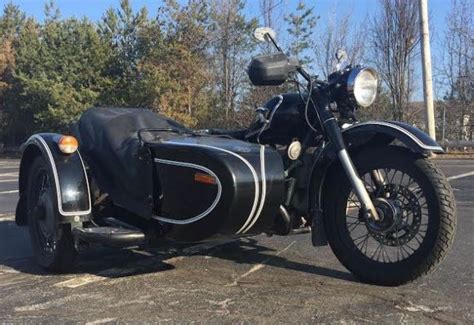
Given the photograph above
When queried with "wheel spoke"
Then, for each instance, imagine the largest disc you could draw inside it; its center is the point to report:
(410, 216)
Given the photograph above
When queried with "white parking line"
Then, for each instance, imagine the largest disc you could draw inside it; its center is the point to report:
(259, 266)
(8, 180)
(79, 281)
(9, 174)
(460, 176)
(101, 321)
(9, 192)
(7, 217)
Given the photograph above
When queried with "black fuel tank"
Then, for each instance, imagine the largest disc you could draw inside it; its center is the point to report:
(212, 186)
(287, 120)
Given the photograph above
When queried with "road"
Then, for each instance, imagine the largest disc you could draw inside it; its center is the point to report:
(268, 280)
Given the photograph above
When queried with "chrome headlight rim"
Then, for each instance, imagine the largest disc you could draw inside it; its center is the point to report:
(351, 84)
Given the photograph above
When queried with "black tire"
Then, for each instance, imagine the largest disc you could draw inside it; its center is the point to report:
(440, 216)
(52, 243)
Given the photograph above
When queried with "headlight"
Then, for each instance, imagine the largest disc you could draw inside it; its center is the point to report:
(362, 85)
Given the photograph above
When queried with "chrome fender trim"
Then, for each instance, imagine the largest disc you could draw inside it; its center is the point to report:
(46, 148)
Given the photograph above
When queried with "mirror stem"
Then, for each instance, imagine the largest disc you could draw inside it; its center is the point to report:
(274, 42)
(304, 74)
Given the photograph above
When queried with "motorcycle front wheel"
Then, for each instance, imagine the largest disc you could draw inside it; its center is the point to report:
(417, 217)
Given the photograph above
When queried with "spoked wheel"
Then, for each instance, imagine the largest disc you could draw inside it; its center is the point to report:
(52, 243)
(417, 217)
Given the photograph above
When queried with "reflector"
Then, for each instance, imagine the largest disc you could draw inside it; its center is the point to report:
(204, 178)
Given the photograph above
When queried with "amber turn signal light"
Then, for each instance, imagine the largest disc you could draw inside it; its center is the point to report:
(204, 178)
(68, 144)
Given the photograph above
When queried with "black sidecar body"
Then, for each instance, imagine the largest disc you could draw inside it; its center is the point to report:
(150, 168)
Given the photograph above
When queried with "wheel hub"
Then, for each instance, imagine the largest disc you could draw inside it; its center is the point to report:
(394, 227)
(389, 217)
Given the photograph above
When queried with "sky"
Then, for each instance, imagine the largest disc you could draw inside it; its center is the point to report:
(360, 9)
(94, 9)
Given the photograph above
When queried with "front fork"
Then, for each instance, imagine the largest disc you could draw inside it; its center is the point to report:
(334, 135)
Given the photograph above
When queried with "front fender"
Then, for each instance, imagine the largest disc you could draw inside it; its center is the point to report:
(69, 173)
(410, 136)
(356, 137)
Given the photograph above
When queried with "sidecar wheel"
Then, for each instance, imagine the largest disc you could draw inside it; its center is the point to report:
(419, 224)
(52, 243)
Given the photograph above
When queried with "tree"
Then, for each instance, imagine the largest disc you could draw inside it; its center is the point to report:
(11, 21)
(175, 75)
(122, 31)
(457, 70)
(6, 63)
(257, 96)
(337, 34)
(394, 35)
(270, 15)
(301, 26)
(57, 74)
(232, 43)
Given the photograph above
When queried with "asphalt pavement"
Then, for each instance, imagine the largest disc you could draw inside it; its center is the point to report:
(261, 279)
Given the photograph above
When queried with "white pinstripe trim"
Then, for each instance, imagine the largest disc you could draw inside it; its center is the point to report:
(245, 161)
(394, 126)
(264, 192)
(56, 180)
(208, 210)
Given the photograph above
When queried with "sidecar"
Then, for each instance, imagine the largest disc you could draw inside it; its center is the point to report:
(137, 177)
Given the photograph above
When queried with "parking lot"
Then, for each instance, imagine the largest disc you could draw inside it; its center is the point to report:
(269, 280)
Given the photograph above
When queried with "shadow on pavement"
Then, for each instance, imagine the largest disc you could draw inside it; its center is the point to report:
(248, 251)
(16, 254)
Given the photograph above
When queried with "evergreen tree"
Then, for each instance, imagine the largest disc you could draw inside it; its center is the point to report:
(301, 26)
(11, 21)
(122, 31)
(57, 74)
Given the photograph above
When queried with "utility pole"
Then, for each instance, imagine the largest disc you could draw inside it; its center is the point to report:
(427, 78)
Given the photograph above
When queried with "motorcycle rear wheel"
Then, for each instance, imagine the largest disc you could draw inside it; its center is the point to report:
(420, 218)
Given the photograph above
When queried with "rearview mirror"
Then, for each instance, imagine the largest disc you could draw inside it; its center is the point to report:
(341, 57)
(261, 33)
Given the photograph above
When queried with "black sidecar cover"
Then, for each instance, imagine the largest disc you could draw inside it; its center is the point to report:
(109, 143)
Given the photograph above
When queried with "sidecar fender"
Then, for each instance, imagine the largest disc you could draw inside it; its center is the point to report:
(357, 137)
(70, 179)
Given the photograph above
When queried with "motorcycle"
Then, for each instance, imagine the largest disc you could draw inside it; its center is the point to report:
(130, 177)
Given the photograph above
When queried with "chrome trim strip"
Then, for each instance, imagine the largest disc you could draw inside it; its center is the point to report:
(245, 161)
(208, 210)
(264, 193)
(56, 180)
(394, 126)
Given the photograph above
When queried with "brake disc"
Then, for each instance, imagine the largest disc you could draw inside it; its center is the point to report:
(408, 223)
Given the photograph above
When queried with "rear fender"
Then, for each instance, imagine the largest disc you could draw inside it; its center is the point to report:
(70, 179)
(358, 137)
